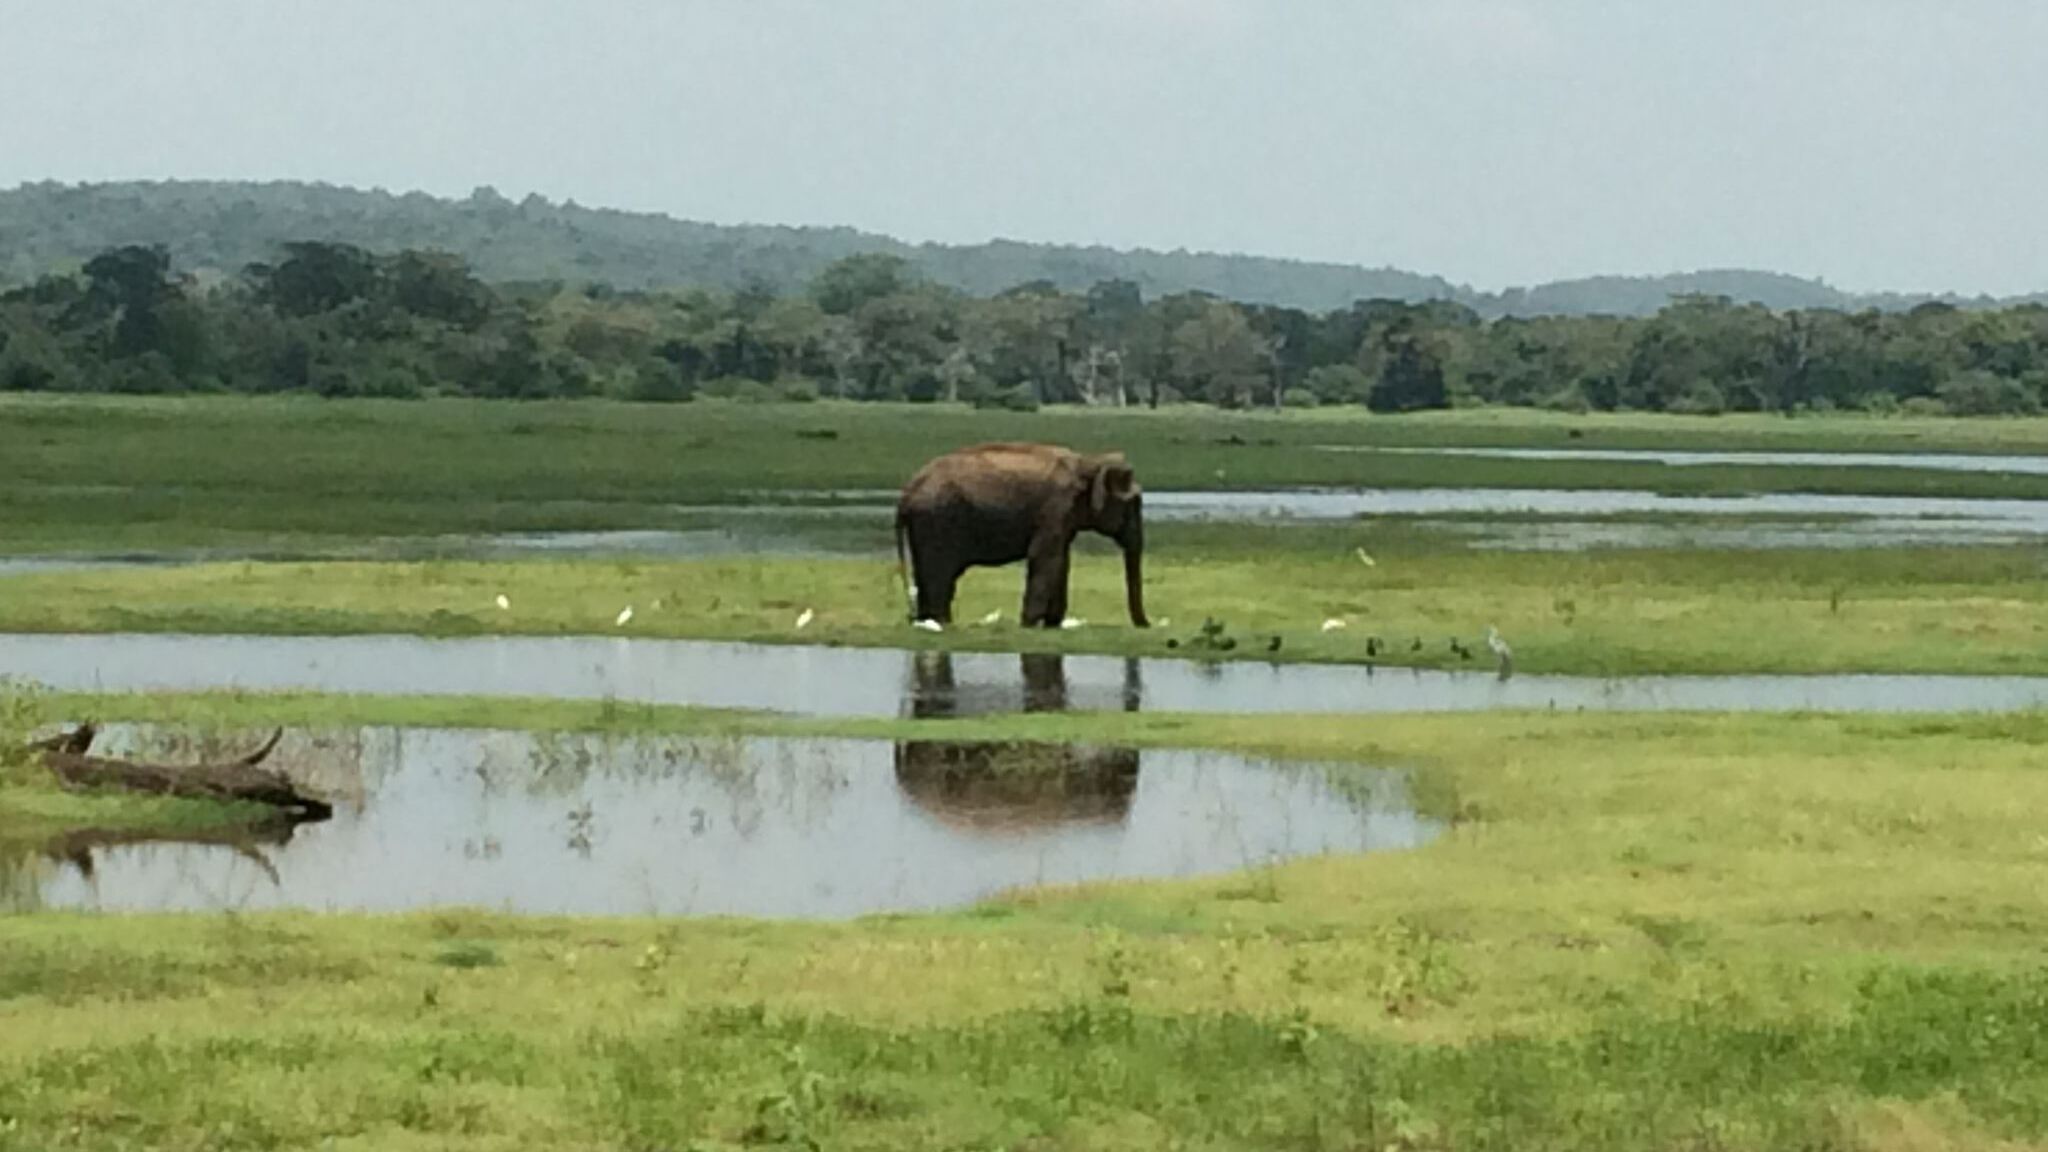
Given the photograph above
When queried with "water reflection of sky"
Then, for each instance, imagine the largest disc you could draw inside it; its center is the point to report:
(820, 681)
(1921, 461)
(777, 828)
(1569, 519)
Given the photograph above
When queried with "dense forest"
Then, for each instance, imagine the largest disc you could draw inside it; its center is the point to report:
(214, 229)
(339, 320)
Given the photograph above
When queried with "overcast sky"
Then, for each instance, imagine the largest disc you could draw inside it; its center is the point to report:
(1875, 143)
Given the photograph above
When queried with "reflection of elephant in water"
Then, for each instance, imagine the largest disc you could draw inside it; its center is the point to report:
(1017, 786)
(996, 504)
(935, 693)
(1013, 785)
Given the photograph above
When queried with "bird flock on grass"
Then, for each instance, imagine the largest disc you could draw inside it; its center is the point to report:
(1503, 655)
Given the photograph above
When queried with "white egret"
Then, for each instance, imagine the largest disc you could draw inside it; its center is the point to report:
(1500, 649)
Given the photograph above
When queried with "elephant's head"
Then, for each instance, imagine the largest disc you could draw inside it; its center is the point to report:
(1111, 503)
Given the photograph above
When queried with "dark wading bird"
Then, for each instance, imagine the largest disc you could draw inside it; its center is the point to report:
(995, 504)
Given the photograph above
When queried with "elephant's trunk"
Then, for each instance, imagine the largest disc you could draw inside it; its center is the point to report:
(1134, 569)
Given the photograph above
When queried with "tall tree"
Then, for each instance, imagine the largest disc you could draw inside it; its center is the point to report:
(316, 277)
(1218, 356)
(130, 287)
(1111, 321)
(1411, 370)
(846, 285)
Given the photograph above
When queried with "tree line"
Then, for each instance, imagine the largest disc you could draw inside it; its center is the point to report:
(334, 319)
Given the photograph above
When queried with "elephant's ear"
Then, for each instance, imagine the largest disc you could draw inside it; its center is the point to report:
(1112, 474)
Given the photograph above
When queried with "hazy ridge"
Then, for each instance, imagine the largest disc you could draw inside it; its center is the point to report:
(220, 226)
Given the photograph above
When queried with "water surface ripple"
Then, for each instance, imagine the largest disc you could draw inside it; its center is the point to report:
(816, 829)
(886, 682)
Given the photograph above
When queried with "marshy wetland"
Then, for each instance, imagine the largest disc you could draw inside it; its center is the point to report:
(583, 824)
(1740, 848)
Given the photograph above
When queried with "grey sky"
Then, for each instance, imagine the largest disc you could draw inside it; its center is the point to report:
(1876, 143)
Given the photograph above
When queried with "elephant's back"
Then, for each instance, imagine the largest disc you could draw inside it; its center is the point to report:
(979, 471)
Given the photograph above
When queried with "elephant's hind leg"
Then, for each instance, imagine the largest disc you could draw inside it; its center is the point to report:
(935, 587)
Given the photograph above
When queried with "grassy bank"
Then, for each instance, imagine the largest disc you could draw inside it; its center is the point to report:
(1903, 610)
(103, 473)
(34, 810)
(1739, 932)
(33, 813)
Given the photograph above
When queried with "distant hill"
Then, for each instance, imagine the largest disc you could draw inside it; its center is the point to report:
(1641, 295)
(220, 226)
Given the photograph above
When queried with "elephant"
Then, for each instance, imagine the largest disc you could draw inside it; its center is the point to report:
(995, 504)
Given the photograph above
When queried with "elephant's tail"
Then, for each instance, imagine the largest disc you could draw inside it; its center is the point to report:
(903, 565)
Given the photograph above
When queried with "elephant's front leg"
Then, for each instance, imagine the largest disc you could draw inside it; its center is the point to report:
(1045, 583)
(1056, 611)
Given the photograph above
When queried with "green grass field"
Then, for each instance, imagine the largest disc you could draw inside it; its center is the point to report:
(1675, 931)
(32, 810)
(1907, 610)
(1652, 931)
(98, 474)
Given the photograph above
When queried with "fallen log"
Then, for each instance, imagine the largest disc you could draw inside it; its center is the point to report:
(240, 779)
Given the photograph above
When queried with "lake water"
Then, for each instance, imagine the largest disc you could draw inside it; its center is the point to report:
(1924, 461)
(821, 681)
(1565, 519)
(1577, 518)
(818, 829)
(2030, 516)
